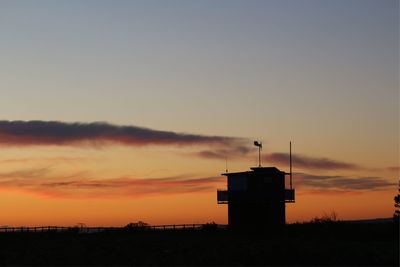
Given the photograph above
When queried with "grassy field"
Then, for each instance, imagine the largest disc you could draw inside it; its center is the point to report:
(331, 244)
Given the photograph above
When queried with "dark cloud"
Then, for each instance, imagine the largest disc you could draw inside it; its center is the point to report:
(343, 183)
(306, 162)
(24, 133)
(231, 152)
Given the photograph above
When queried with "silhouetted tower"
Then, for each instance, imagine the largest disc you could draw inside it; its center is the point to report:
(257, 198)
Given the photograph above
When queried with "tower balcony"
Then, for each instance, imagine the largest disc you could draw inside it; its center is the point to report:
(289, 195)
(222, 196)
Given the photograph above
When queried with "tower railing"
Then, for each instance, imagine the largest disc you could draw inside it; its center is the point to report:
(222, 196)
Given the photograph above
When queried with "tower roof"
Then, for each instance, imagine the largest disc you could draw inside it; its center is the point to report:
(263, 170)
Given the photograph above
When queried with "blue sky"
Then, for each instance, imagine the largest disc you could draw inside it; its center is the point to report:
(241, 67)
(205, 66)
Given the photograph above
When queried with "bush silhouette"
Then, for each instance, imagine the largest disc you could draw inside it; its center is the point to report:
(211, 226)
(326, 218)
(137, 226)
(396, 215)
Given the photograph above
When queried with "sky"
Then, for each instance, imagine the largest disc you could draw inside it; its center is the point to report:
(118, 111)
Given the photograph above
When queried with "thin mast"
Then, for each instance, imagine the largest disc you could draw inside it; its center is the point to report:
(259, 144)
(290, 160)
(226, 164)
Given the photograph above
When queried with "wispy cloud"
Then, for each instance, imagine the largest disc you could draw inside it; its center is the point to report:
(341, 183)
(25, 173)
(45, 159)
(394, 168)
(44, 182)
(299, 161)
(307, 162)
(82, 185)
(230, 152)
(23, 133)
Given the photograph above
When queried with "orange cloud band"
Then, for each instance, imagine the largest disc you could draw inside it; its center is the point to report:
(81, 185)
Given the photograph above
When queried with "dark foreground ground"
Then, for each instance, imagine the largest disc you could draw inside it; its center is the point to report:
(306, 244)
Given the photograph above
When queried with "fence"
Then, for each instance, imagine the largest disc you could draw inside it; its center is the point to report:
(41, 229)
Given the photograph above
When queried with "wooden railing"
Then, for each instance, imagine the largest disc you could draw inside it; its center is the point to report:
(40, 229)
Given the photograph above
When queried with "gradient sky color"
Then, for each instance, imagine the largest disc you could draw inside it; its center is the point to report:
(324, 74)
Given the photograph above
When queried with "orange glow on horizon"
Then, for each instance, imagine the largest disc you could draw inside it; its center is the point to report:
(113, 186)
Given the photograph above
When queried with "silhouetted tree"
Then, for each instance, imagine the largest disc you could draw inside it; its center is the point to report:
(326, 218)
(211, 226)
(396, 214)
(137, 226)
(79, 228)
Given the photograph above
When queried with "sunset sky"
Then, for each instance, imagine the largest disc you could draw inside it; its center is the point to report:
(118, 111)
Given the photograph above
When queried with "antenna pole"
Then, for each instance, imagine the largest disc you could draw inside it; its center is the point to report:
(259, 144)
(290, 160)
